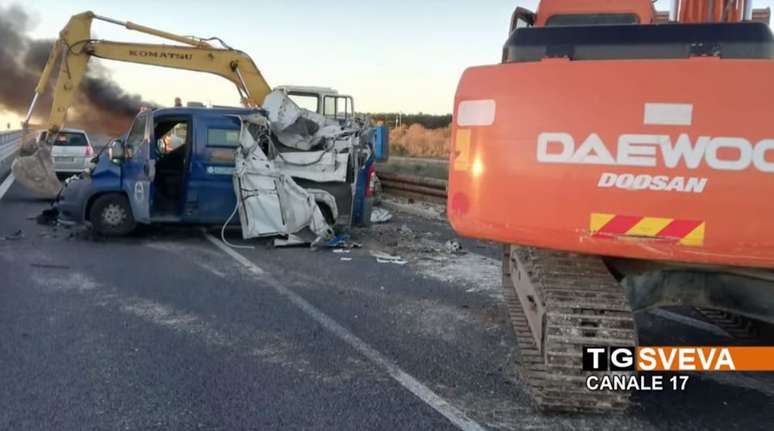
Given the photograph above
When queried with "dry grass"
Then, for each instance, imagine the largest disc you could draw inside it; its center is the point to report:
(417, 141)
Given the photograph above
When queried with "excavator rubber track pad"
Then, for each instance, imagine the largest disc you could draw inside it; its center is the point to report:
(584, 306)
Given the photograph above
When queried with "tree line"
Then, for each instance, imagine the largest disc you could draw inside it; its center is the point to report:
(428, 121)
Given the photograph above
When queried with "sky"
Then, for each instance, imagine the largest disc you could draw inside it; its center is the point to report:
(396, 55)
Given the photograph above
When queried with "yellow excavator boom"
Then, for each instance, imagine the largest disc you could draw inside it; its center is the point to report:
(72, 51)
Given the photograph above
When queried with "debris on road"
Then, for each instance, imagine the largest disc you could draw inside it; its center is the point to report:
(380, 215)
(47, 217)
(19, 234)
(290, 241)
(453, 247)
(428, 210)
(406, 232)
(438, 256)
(342, 241)
(388, 258)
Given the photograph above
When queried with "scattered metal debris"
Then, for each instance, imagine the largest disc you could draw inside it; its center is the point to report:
(388, 258)
(47, 217)
(341, 241)
(380, 215)
(290, 241)
(453, 247)
(19, 234)
(406, 232)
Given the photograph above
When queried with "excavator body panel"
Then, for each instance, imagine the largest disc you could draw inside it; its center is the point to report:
(652, 159)
(552, 12)
(625, 165)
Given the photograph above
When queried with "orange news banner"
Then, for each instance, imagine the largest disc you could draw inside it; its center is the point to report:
(704, 358)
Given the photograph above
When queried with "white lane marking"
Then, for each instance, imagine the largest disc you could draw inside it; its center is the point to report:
(6, 185)
(690, 321)
(668, 114)
(476, 112)
(255, 269)
(454, 415)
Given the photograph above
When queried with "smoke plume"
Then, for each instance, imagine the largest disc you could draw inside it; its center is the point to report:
(100, 106)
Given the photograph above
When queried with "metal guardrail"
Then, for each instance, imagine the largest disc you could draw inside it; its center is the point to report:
(9, 145)
(421, 187)
(10, 136)
(418, 160)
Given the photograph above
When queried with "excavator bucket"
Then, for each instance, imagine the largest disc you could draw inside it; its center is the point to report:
(34, 167)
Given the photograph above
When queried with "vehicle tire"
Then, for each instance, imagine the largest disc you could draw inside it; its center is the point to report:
(111, 215)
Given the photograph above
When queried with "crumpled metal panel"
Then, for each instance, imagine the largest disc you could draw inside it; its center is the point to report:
(296, 127)
(271, 203)
(320, 166)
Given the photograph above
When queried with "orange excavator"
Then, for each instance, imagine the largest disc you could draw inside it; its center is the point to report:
(626, 158)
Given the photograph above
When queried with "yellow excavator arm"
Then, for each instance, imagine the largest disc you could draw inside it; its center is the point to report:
(72, 52)
(75, 46)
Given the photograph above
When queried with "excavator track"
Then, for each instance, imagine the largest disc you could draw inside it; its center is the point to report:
(579, 304)
(735, 325)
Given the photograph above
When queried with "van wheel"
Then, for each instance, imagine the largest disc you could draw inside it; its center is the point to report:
(111, 215)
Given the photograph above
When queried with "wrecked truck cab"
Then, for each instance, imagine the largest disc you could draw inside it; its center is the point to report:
(177, 165)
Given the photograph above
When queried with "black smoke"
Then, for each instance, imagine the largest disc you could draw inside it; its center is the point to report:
(101, 105)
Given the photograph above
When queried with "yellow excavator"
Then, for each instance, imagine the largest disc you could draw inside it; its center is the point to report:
(33, 168)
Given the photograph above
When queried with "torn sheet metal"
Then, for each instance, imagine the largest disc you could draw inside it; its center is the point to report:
(313, 146)
(380, 215)
(321, 166)
(388, 258)
(270, 202)
(290, 241)
(296, 127)
(288, 143)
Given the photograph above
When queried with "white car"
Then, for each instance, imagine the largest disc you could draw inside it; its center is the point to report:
(72, 152)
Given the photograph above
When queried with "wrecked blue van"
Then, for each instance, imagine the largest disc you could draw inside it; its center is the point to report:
(176, 165)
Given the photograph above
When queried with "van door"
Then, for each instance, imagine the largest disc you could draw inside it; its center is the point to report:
(137, 169)
(210, 197)
(170, 154)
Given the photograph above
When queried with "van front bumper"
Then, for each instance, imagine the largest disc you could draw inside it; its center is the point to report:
(70, 205)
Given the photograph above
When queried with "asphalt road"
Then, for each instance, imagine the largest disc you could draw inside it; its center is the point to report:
(168, 330)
